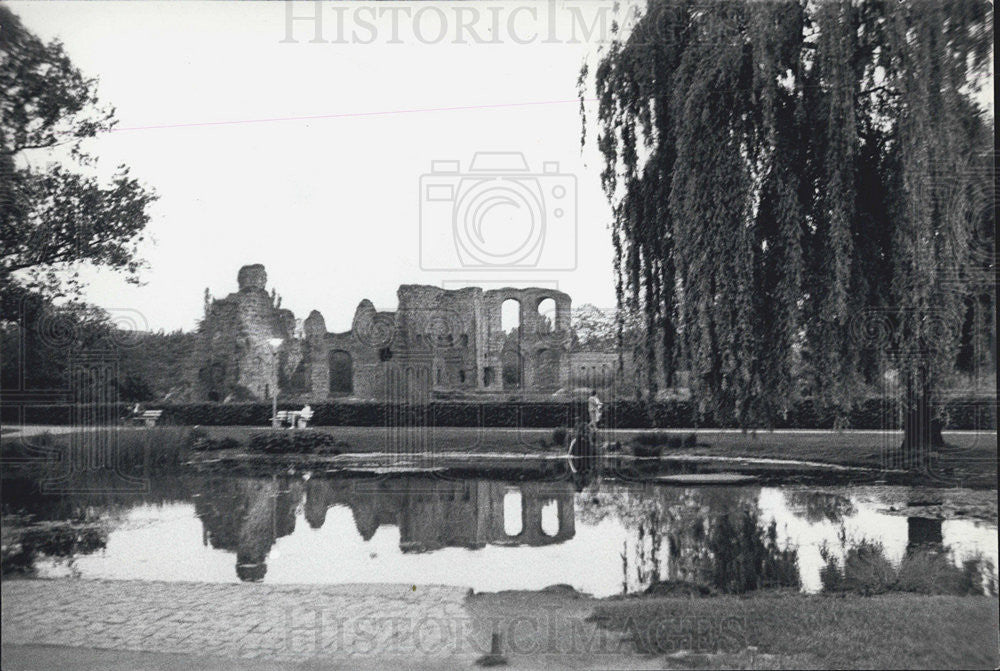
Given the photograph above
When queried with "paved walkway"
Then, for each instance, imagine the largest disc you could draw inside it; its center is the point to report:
(172, 626)
(345, 626)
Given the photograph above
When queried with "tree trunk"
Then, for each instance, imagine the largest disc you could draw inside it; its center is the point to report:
(921, 428)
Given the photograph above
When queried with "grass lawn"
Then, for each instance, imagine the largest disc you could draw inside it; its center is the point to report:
(847, 448)
(362, 439)
(768, 629)
(901, 631)
(972, 452)
(972, 456)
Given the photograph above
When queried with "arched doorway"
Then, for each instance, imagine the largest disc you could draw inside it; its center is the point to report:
(512, 367)
(341, 373)
(511, 364)
(547, 363)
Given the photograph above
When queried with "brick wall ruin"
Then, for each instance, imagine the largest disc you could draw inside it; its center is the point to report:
(437, 343)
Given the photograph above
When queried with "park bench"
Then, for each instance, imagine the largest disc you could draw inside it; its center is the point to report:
(148, 418)
(295, 419)
(285, 417)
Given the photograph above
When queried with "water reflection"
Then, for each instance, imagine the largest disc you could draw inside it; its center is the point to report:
(247, 515)
(61, 541)
(820, 506)
(926, 567)
(491, 535)
(58, 529)
(711, 536)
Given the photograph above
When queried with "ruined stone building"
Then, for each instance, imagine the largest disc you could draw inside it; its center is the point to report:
(437, 343)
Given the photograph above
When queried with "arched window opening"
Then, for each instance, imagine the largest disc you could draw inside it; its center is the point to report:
(547, 315)
(550, 518)
(512, 507)
(510, 315)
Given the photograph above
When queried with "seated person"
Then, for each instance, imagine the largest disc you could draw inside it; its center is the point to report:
(305, 416)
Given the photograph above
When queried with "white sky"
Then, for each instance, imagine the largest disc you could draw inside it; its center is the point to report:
(214, 108)
(214, 100)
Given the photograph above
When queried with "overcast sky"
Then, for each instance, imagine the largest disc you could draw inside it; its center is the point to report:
(214, 107)
(303, 146)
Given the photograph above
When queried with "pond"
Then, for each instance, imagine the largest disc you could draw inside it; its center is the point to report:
(610, 538)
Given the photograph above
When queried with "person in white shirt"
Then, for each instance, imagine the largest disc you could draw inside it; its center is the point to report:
(305, 416)
(594, 407)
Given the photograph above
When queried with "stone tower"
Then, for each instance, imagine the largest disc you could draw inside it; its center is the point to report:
(237, 361)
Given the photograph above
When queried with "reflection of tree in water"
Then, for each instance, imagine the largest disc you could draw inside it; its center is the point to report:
(817, 507)
(63, 541)
(246, 516)
(927, 567)
(66, 524)
(747, 555)
(710, 536)
(91, 495)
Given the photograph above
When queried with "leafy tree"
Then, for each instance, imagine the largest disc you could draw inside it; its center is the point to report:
(38, 338)
(55, 215)
(788, 178)
(594, 329)
(53, 218)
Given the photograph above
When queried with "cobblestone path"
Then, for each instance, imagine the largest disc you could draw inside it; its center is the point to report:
(280, 622)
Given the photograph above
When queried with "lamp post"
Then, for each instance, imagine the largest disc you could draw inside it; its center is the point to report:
(275, 343)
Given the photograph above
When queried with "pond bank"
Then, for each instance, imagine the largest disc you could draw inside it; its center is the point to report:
(770, 629)
(373, 626)
(783, 455)
(846, 448)
(679, 470)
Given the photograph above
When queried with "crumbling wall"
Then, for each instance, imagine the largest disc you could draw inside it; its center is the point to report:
(437, 341)
(541, 341)
(236, 360)
(316, 355)
(440, 337)
(594, 369)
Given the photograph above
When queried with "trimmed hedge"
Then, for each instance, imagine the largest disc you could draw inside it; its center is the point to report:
(965, 414)
(295, 442)
(664, 439)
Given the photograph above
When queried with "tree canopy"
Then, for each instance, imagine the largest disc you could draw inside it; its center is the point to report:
(53, 216)
(795, 179)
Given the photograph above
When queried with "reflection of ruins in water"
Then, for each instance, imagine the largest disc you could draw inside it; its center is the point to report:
(247, 515)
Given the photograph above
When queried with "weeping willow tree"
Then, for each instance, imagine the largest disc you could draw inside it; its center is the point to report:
(774, 172)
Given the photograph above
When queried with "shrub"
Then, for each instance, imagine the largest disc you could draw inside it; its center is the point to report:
(663, 439)
(866, 570)
(650, 438)
(295, 442)
(641, 450)
(959, 413)
(196, 436)
(228, 443)
(676, 588)
(203, 443)
(559, 437)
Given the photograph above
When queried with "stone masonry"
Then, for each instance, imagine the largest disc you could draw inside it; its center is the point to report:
(437, 343)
